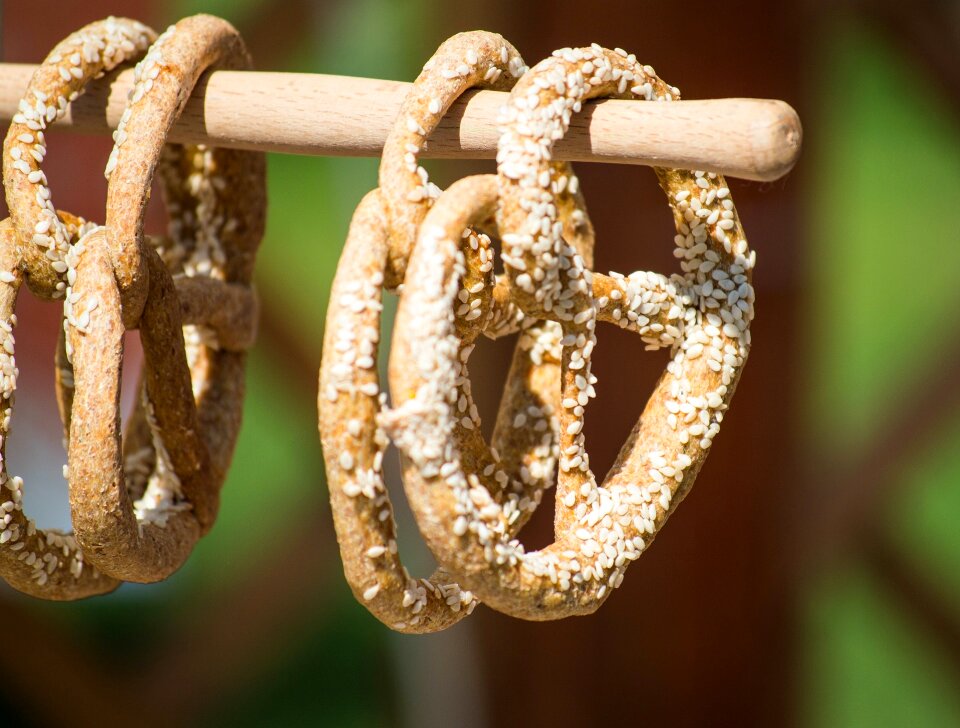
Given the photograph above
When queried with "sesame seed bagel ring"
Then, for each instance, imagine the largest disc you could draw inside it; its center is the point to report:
(90, 52)
(193, 374)
(703, 316)
(349, 392)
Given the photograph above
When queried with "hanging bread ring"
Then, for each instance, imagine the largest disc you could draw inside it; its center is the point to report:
(476, 59)
(350, 396)
(44, 237)
(34, 244)
(194, 420)
(48, 563)
(703, 316)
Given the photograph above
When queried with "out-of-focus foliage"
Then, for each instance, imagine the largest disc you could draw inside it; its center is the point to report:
(884, 173)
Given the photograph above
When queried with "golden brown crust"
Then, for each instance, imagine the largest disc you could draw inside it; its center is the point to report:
(703, 316)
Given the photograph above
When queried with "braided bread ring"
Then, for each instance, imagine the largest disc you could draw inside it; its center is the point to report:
(216, 234)
(348, 400)
(84, 55)
(704, 316)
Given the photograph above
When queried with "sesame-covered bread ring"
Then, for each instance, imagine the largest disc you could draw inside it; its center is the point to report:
(514, 472)
(349, 402)
(703, 316)
(36, 242)
(84, 55)
(375, 253)
(43, 563)
(193, 391)
(524, 453)
(45, 238)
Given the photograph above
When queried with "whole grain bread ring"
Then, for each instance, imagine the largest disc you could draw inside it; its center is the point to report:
(703, 316)
(523, 457)
(44, 239)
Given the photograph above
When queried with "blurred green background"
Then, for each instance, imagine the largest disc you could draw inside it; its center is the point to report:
(863, 599)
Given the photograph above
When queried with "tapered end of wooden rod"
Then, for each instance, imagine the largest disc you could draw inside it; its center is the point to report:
(777, 139)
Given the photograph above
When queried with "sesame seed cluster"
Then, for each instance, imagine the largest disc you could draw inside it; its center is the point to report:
(548, 292)
(140, 499)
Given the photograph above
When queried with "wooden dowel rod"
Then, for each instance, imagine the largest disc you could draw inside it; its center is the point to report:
(319, 114)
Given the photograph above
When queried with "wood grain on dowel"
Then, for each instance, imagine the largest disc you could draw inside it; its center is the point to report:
(319, 114)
